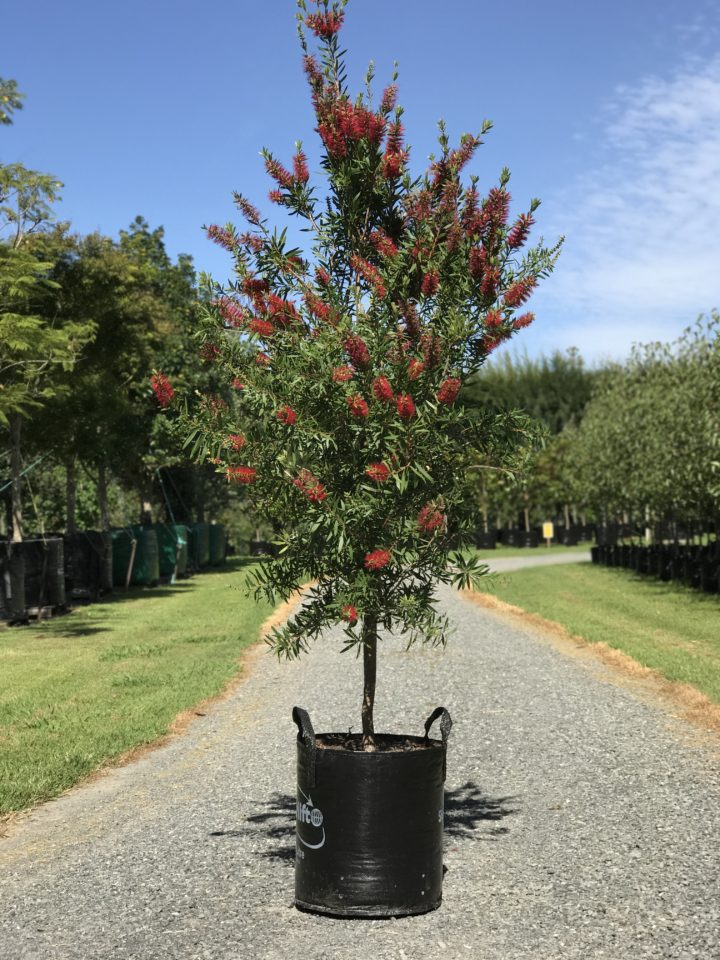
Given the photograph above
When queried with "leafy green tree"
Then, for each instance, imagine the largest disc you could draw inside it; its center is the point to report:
(349, 436)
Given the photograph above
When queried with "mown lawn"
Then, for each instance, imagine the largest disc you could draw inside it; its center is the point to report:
(78, 691)
(668, 627)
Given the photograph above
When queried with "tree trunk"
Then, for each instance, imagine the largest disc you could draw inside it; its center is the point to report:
(369, 639)
(102, 485)
(526, 514)
(71, 494)
(567, 517)
(16, 476)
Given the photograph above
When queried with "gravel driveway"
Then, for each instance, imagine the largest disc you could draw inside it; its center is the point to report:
(582, 821)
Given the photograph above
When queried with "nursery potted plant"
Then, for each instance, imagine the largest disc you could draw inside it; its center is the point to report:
(347, 361)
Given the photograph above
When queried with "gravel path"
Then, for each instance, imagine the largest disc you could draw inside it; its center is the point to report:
(582, 822)
(533, 558)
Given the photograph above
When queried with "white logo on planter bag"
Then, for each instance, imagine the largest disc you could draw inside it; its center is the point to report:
(311, 815)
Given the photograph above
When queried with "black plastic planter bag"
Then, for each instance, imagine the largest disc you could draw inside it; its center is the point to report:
(370, 824)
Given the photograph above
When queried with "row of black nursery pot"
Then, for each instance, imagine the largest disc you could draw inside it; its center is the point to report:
(518, 537)
(692, 565)
(42, 575)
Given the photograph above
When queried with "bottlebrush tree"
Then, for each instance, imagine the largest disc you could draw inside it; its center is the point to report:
(348, 361)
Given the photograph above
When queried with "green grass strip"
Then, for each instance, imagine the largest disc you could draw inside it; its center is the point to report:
(668, 627)
(80, 690)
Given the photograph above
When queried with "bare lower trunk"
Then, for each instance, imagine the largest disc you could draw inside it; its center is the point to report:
(369, 639)
(71, 494)
(102, 492)
(526, 514)
(16, 476)
(567, 516)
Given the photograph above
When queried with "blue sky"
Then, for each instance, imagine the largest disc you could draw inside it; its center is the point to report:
(610, 113)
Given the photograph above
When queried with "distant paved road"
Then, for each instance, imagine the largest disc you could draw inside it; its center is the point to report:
(582, 822)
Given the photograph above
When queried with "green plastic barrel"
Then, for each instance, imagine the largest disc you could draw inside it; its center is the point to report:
(173, 549)
(146, 571)
(217, 544)
(122, 555)
(200, 543)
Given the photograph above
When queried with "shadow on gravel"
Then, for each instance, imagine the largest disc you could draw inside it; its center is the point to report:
(467, 810)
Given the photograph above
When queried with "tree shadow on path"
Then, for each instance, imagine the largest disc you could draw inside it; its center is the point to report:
(469, 814)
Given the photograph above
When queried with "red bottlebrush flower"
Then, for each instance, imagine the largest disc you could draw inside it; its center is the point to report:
(162, 389)
(392, 164)
(382, 390)
(333, 141)
(357, 351)
(253, 241)
(405, 406)
(282, 312)
(494, 319)
(209, 352)
(349, 614)
(342, 374)
(454, 236)
(490, 280)
(357, 406)
(286, 415)
(238, 384)
(245, 475)
(254, 287)
(275, 196)
(383, 244)
(449, 390)
(377, 559)
(519, 291)
(262, 360)
(322, 276)
(378, 472)
(477, 261)
(430, 518)
(277, 171)
(370, 274)
(430, 283)
(409, 314)
(251, 213)
(389, 99)
(309, 485)
(523, 321)
(325, 25)
(312, 71)
(415, 368)
(236, 441)
(431, 347)
(222, 237)
(497, 206)
(519, 233)
(263, 328)
(320, 310)
(463, 155)
(301, 172)
(232, 313)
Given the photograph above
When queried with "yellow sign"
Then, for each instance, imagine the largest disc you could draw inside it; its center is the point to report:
(548, 531)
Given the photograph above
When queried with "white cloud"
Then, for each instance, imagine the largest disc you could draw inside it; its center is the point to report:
(642, 257)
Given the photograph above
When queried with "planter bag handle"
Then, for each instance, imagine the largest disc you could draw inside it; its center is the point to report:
(307, 735)
(445, 728)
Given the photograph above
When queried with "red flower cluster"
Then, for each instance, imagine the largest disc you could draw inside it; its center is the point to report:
(405, 406)
(300, 167)
(357, 350)
(449, 390)
(278, 172)
(322, 276)
(244, 475)
(431, 347)
(276, 196)
(251, 213)
(357, 406)
(430, 283)
(320, 310)
(286, 415)
(477, 261)
(415, 368)
(341, 122)
(282, 312)
(236, 441)
(377, 559)
(382, 390)
(263, 328)
(162, 389)
(430, 518)
(497, 207)
(383, 244)
(378, 472)
(222, 237)
(395, 154)
(494, 319)
(519, 233)
(325, 24)
(370, 274)
(209, 352)
(309, 485)
(520, 291)
(350, 614)
(238, 384)
(262, 360)
(342, 374)
(231, 312)
(523, 321)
